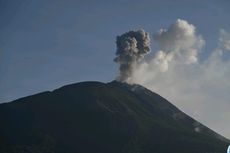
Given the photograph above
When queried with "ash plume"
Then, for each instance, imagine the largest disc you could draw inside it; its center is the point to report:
(131, 48)
(195, 79)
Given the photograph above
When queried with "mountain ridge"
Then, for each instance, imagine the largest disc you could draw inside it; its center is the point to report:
(127, 118)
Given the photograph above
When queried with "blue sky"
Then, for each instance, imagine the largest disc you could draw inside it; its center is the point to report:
(48, 44)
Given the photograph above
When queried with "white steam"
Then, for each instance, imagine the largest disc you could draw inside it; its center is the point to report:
(224, 40)
(198, 87)
(179, 42)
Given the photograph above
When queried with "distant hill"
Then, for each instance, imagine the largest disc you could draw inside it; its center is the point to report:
(94, 117)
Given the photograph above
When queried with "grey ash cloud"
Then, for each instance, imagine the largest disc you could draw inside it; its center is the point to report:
(175, 70)
(131, 48)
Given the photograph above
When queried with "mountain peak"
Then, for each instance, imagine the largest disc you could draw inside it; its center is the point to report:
(127, 85)
(100, 117)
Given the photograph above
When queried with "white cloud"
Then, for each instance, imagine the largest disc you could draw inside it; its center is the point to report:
(201, 89)
(180, 41)
(224, 40)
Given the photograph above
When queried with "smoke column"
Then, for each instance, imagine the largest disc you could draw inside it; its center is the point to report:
(194, 79)
(198, 86)
(131, 48)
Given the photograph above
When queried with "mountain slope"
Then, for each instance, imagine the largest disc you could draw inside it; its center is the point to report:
(94, 117)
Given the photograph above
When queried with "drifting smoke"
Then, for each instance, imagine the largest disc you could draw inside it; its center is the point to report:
(131, 48)
(198, 87)
(179, 42)
(224, 40)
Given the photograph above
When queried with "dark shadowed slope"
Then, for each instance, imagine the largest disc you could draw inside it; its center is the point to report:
(94, 117)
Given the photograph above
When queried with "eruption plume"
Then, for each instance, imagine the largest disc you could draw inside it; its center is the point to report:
(131, 48)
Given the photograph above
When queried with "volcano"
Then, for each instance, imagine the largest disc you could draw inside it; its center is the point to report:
(95, 117)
